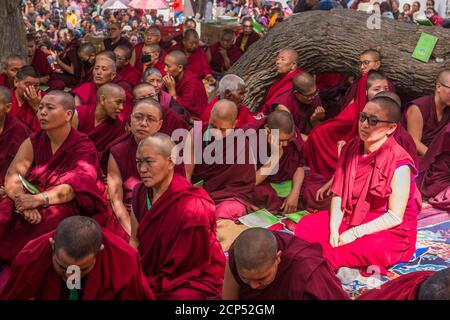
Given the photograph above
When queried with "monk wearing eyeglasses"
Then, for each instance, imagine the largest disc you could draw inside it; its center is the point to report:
(373, 215)
(247, 37)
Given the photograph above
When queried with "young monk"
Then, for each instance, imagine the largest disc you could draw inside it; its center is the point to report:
(434, 175)
(170, 119)
(109, 267)
(426, 116)
(231, 87)
(303, 102)
(287, 68)
(26, 97)
(232, 189)
(153, 58)
(11, 65)
(420, 285)
(174, 228)
(12, 133)
(63, 165)
(124, 68)
(183, 86)
(151, 36)
(224, 53)
(101, 121)
(373, 216)
(271, 265)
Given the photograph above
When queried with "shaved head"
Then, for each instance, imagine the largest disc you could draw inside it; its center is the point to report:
(436, 287)
(108, 54)
(5, 95)
(374, 76)
(64, 98)
(161, 142)
(255, 248)
(390, 107)
(178, 57)
(293, 55)
(125, 51)
(281, 120)
(109, 89)
(78, 236)
(224, 110)
(303, 82)
(87, 49)
(374, 54)
(444, 77)
(15, 58)
(190, 34)
(153, 31)
(153, 103)
(391, 95)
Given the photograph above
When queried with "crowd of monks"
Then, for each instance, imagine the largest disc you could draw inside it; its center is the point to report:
(89, 176)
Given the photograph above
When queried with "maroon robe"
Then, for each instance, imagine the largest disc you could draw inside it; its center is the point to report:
(364, 184)
(138, 62)
(197, 61)
(191, 94)
(130, 74)
(109, 45)
(405, 287)
(431, 125)
(328, 80)
(75, 163)
(42, 66)
(303, 274)
(4, 81)
(181, 256)
(351, 92)
(69, 56)
(87, 92)
(166, 101)
(25, 113)
(117, 273)
(300, 112)
(434, 175)
(281, 85)
(233, 53)
(124, 152)
(236, 181)
(13, 134)
(252, 38)
(245, 116)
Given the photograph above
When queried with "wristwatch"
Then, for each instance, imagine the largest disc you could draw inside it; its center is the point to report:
(47, 202)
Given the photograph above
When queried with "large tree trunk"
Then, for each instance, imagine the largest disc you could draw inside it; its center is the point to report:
(332, 41)
(12, 31)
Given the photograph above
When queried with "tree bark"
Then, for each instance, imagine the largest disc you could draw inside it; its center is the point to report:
(12, 31)
(328, 41)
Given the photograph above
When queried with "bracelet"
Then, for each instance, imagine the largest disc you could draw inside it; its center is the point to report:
(47, 201)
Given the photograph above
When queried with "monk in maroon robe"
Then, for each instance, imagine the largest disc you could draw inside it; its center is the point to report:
(272, 265)
(247, 37)
(224, 53)
(232, 189)
(151, 36)
(62, 164)
(197, 60)
(153, 57)
(286, 65)
(104, 72)
(101, 121)
(11, 65)
(86, 54)
(68, 60)
(146, 119)
(419, 285)
(115, 39)
(231, 87)
(124, 68)
(174, 228)
(434, 175)
(183, 86)
(373, 216)
(110, 268)
(427, 116)
(12, 133)
(26, 97)
(303, 102)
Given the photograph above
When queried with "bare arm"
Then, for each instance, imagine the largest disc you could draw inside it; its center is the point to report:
(336, 216)
(78, 101)
(415, 128)
(67, 68)
(115, 192)
(20, 165)
(133, 58)
(291, 202)
(189, 157)
(134, 242)
(230, 290)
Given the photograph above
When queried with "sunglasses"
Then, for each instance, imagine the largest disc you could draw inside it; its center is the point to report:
(371, 120)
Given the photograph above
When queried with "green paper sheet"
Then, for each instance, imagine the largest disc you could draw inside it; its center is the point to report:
(424, 47)
(27, 184)
(296, 216)
(199, 183)
(283, 189)
(261, 218)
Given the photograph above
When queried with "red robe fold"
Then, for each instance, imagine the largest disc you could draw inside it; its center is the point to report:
(245, 116)
(124, 152)
(25, 113)
(166, 101)
(280, 86)
(130, 74)
(300, 112)
(352, 91)
(75, 163)
(364, 184)
(253, 37)
(236, 181)
(159, 65)
(191, 94)
(431, 125)
(117, 273)
(197, 61)
(13, 134)
(303, 274)
(40, 63)
(180, 254)
(405, 287)
(233, 53)
(4, 81)
(434, 176)
(328, 80)
(87, 92)
(138, 54)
